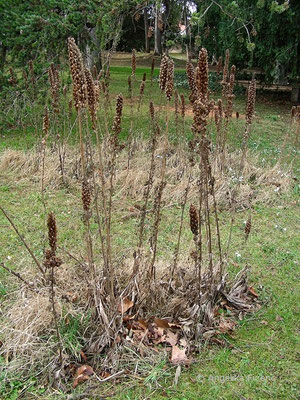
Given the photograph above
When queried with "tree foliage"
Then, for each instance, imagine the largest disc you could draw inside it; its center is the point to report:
(259, 33)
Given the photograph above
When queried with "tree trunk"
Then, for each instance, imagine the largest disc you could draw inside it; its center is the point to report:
(165, 20)
(187, 29)
(94, 56)
(146, 25)
(157, 34)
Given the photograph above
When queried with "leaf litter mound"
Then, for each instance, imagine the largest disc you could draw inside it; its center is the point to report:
(150, 320)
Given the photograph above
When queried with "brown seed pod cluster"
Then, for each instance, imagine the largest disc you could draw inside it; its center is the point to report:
(151, 111)
(78, 75)
(163, 72)
(52, 232)
(91, 96)
(248, 227)
(86, 195)
(170, 80)
(194, 220)
(218, 115)
(51, 260)
(129, 86)
(191, 79)
(142, 88)
(200, 111)
(251, 102)
(116, 128)
(133, 62)
(54, 87)
(46, 123)
(182, 109)
(203, 74)
(97, 91)
(12, 80)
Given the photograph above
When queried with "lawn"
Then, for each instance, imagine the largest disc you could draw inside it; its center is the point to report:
(261, 357)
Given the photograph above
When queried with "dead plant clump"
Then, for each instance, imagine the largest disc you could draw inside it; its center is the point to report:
(130, 309)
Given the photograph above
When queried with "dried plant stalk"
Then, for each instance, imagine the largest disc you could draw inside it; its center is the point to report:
(23, 241)
(249, 118)
(142, 88)
(148, 187)
(159, 190)
(114, 148)
(51, 261)
(133, 63)
(54, 87)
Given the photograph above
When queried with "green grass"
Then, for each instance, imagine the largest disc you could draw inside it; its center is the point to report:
(262, 361)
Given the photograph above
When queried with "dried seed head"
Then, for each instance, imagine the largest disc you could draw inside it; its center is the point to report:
(144, 76)
(78, 75)
(12, 80)
(151, 111)
(133, 62)
(86, 195)
(191, 79)
(200, 111)
(52, 232)
(46, 123)
(251, 102)
(248, 227)
(70, 108)
(182, 105)
(203, 73)
(142, 88)
(117, 120)
(163, 72)
(91, 96)
(218, 113)
(170, 79)
(97, 92)
(194, 220)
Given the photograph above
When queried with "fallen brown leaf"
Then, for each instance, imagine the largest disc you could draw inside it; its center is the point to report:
(171, 338)
(124, 305)
(226, 325)
(161, 323)
(83, 373)
(178, 356)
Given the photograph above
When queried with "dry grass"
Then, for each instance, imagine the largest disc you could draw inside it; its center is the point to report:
(257, 185)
